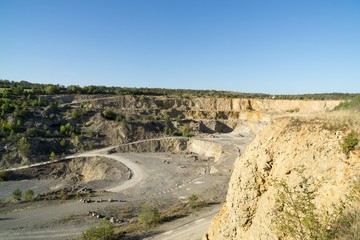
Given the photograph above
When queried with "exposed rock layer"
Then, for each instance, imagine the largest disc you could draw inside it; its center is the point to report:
(284, 146)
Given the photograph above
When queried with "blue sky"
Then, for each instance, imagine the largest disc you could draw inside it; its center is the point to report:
(277, 47)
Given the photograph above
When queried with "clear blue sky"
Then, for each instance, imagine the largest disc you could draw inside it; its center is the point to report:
(288, 47)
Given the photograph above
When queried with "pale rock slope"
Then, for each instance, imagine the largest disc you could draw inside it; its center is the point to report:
(285, 145)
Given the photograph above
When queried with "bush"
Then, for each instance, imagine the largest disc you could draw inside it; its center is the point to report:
(52, 156)
(16, 194)
(105, 231)
(3, 175)
(149, 216)
(64, 194)
(109, 114)
(29, 195)
(24, 147)
(297, 217)
(349, 143)
(193, 201)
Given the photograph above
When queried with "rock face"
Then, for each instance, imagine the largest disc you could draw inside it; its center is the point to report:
(285, 145)
(200, 104)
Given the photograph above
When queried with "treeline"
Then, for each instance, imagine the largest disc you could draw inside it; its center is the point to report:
(22, 87)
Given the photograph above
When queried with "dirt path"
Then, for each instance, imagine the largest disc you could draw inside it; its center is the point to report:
(137, 173)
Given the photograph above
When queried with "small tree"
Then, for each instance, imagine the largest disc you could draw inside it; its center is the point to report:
(17, 194)
(29, 195)
(149, 216)
(24, 147)
(52, 156)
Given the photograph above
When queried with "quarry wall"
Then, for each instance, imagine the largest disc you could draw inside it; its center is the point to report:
(208, 104)
(284, 146)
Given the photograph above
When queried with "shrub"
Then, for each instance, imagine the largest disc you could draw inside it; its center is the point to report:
(52, 156)
(297, 217)
(193, 201)
(109, 114)
(64, 194)
(293, 110)
(294, 215)
(3, 175)
(105, 231)
(177, 133)
(167, 131)
(66, 129)
(29, 195)
(149, 216)
(349, 143)
(24, 147)
(179, 117)
(16, 194)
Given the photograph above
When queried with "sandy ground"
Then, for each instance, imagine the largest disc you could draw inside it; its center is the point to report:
(156, 177)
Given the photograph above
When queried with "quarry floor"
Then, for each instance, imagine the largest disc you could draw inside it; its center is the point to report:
(158, 178)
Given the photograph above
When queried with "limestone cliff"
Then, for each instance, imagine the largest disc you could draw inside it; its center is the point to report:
(284, 145)
(197, 105)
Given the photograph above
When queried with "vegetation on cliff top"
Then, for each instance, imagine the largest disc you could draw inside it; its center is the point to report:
(22, 87)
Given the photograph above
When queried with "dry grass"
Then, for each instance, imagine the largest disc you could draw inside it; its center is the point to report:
(344, 120)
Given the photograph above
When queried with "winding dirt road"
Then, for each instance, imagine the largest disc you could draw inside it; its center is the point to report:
(27, 224)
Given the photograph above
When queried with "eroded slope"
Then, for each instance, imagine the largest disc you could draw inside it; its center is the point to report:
(284, 146)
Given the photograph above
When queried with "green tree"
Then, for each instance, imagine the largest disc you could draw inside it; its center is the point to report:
(66, 129)
(24, 147)
(52, 156)
(17, 194)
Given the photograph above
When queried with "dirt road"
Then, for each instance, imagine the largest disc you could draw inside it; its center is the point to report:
(161, 176)
(189, 228)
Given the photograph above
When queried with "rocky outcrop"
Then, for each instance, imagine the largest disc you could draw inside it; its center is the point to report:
(283, 146)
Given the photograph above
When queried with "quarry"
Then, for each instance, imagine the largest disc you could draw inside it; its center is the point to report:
(163, 150)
